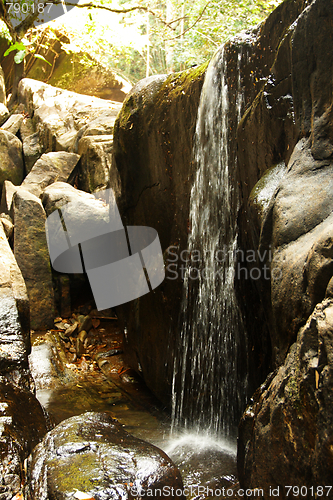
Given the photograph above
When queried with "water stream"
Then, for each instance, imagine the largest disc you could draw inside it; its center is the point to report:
(210, 381)
(64, 391)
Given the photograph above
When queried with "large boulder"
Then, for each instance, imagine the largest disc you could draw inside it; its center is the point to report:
(93, 454)
(286, 134)
(59, 115)
(75, 71)
(286, 433)
(14, 312)
(50, 167)
(11, 159)
(298, 226)
(58, 194)
(80, 73)
(22, 427)
(31, 252)
(277, 134)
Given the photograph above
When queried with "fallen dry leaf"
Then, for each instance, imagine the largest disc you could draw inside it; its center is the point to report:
(95, 322)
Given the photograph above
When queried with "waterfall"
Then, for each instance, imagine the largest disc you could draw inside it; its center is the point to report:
(210, 372)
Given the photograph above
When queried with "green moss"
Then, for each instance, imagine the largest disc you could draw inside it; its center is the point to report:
(153, 101)
(77, 471)
(179, 83)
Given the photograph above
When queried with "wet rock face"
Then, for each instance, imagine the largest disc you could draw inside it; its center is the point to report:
(285, 434)
(277, 129)
(153, 152)
(22, 426)
(93, 454)
(298, 226)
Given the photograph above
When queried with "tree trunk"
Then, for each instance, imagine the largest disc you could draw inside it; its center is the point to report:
(18, 75)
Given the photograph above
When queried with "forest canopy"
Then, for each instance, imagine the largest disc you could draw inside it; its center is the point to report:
(145, 37)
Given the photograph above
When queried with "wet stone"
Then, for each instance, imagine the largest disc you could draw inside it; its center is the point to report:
(93, 454)
(14, 311)
(20, 431)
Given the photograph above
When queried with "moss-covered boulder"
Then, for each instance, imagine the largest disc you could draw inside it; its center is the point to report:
(93, 454)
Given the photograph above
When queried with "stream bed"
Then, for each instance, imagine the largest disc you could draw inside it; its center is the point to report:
(65, 389)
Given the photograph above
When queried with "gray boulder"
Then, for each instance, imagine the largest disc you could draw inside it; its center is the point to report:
(8, 191)
(50, 167)
(31, 252)
(59, 114)
(58, 194)
(11, 159)
(93, 454)
(32, 148)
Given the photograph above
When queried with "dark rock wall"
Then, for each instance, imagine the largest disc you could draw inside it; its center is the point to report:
(289, 414)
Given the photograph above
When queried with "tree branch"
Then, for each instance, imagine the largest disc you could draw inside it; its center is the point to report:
(192, 26)
(90, 5)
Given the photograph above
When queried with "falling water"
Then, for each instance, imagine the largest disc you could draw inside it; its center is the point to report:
(210, 380)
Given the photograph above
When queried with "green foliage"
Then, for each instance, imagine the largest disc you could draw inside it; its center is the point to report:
(39, 56)
(16, 46)
(193, 33)
(181, 33)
